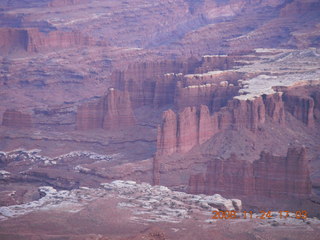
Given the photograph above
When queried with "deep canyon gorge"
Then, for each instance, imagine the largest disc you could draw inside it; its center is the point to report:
(137, 119)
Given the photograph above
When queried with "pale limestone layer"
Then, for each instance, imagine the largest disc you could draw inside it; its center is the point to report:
(286, 68)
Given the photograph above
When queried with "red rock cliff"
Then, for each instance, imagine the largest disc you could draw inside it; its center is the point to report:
(118, 111)
(13, 40)
(301, 107)
(31, 40)
(38, 41)
(212, 95)
(145, 81)
(270, 176)
(90, 115)
(16, 119)
(195, 125)
(62, 3)
(110, 112)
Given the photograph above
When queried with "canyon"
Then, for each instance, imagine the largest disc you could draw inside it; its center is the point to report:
(151, 110)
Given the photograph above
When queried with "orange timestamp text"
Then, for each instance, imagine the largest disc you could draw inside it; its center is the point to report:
(301, 214)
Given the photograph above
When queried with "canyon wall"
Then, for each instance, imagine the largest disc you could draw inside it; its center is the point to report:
(303, 102)
(269, 176)
(237, 114)
(167, 82)
(16, 119)
(62, 3)
(195, 125)
(215, 62)
(90, 115)
(12, 40)
(109, 112)
(213, 95)
(141, 80)
(32, 40)
(165, 89)
(300, 107)
(38, 41)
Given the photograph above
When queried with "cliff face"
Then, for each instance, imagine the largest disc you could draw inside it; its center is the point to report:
(300, 107)
(298, 7)
(195, 125)
(62, 3)
(212, 95)
(316, 97)
(270, 176)
(167, 82)
(165, 89)
(215, 62)
(38, 41)
(13, 40)
(117, 109)
(274, 106)
(281, 176)
(167, 134)
(303, 103)
(238, 114)
(110, 112)
(16, 119)
(32, 40)
(90, 115)
(146, 82)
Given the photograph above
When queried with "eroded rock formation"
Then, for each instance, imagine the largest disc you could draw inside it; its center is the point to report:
(300, 107)
(110, 112)
(62, 3)
(238, 114)
(196, 125)
(269, 176)
(145, 81)
(16, 119)
(32, 40)
(13, 40)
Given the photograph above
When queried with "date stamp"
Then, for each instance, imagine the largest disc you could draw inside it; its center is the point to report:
(223, 215)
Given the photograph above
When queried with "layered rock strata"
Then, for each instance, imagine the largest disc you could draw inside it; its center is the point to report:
(145, 81)
(181, 132)
(16, 119)
(269, 176)
(32, 40)
(62, 3)
(110, 112)
(213, 95)
(301, 107)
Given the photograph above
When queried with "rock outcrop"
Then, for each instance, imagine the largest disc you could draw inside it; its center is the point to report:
(167, 134)
(38, 41)
(301, 107)
(145, 81)
(32, 40)
(275, 107)
(303, 102)
(117, 109)
(12, 40)
(194, 126)
(62, 3)
(213, 95)
(110, 112)
(215, 62)
(165, 89)
(90, 115)
(16, 119)
(270, 176)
